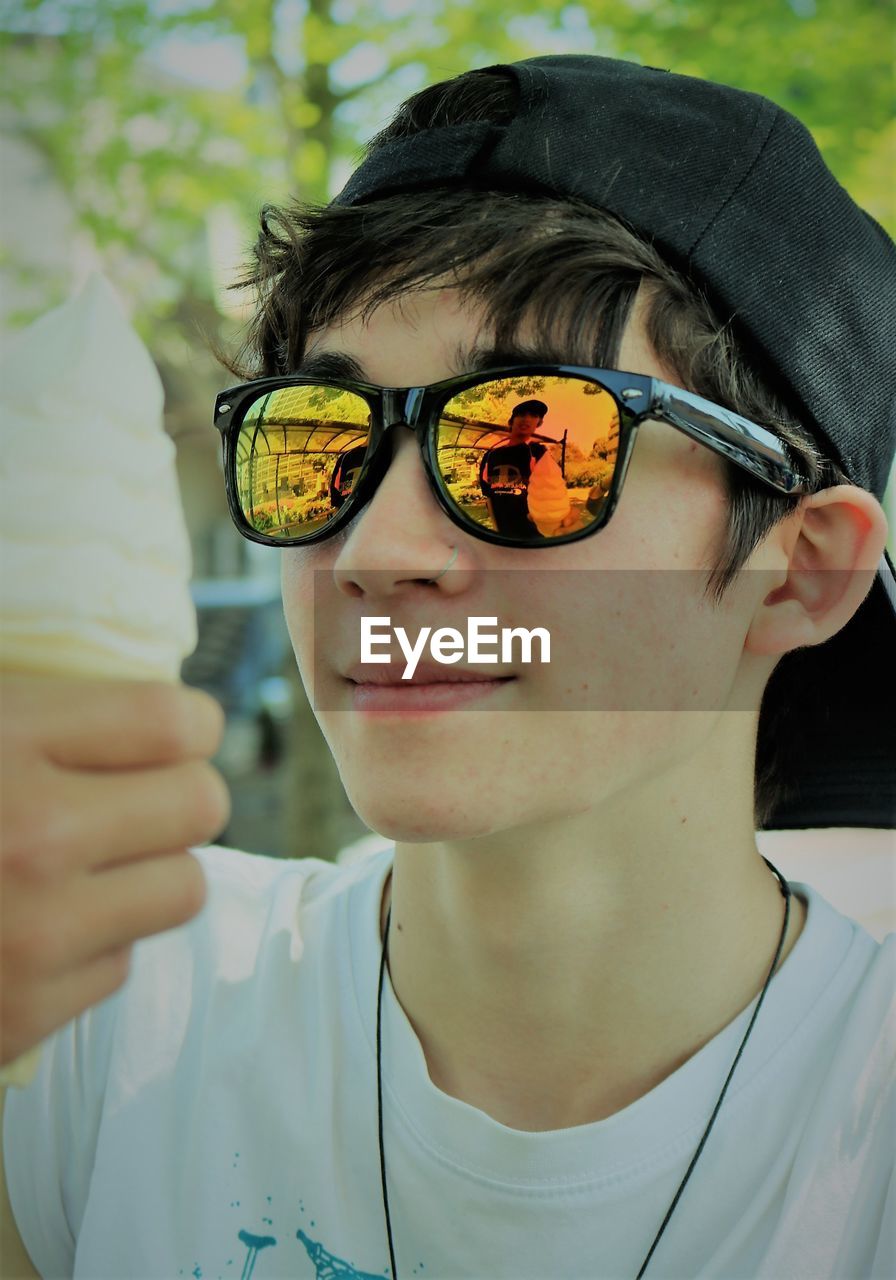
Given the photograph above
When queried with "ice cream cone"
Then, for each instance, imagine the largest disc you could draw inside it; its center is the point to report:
(95, 552)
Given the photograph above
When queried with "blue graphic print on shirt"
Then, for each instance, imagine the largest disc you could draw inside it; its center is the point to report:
(255, 1245)
(328, 1266)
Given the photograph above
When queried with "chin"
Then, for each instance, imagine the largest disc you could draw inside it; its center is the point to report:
(423, 781)
(408, 811)
(411, 820)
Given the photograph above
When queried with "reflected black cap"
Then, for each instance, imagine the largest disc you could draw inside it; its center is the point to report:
(733, 191)
(532, 408)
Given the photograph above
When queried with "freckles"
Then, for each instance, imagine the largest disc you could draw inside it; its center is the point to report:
(298, 579)
(300, 567)
(298, 585)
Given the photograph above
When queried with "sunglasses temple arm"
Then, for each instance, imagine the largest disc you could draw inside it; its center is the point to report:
(749, 446)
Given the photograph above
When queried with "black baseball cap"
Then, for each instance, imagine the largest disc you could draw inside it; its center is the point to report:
(733, 191)
(530, 408)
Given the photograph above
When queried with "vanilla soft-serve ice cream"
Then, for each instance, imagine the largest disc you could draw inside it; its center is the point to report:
(94, 553)
(548, 495)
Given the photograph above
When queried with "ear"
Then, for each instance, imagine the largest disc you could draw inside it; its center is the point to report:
(827, 552)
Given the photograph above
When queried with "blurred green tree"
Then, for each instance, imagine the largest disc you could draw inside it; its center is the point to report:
(274, 97)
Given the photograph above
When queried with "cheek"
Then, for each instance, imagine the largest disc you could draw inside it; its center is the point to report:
(673, 508)
(298, 569)
(592, 758)
(639, 640)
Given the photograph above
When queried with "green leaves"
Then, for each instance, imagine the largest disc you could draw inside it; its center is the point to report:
(115, 95)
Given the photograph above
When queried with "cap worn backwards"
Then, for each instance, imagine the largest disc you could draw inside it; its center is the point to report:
(731, 188)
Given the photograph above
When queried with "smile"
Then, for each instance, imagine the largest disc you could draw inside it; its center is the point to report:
(387, 694)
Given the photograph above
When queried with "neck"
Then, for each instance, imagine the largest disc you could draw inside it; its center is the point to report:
(554, 975)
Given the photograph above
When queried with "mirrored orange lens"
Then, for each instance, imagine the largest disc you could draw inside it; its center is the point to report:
(530, 457)
(299, 453)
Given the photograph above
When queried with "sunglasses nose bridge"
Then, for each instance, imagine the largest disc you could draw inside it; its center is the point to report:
(398, 407)
(402, 406)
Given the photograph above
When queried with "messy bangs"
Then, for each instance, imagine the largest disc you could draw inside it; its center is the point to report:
(566, 276)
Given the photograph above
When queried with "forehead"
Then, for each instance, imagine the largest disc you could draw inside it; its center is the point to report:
(430, 334)
(435, 329)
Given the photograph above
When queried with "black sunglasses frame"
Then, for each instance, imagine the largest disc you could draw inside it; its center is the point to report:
(638, 397)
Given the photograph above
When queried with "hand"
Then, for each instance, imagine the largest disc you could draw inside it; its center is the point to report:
(104, 785)
(572, 520)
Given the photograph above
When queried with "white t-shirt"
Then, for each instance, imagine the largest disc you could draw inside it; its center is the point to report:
(217, 1118)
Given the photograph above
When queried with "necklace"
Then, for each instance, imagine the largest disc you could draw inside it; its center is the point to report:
(786, 894)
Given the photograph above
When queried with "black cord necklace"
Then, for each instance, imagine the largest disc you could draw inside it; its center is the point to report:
(785, 891)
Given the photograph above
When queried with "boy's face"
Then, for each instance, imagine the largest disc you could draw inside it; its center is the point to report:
(523, 427)
(631, 639)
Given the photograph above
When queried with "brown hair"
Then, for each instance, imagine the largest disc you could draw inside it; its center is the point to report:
(566, 271)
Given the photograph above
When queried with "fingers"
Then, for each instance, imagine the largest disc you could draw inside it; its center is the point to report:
(89, 820)
(110, 724)
(27, 1022)
(100, 781)
(84, 918)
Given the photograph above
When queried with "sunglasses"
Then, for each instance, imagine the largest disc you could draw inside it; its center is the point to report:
(532, 455)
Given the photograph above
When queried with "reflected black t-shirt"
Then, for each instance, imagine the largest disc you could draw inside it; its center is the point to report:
(504, 479)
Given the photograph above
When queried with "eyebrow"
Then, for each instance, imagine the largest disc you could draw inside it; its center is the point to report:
(475, 359)
(339, 365)
(331, 364)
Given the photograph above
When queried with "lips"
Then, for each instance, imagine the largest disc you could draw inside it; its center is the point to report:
(426, 673)
(379, 692)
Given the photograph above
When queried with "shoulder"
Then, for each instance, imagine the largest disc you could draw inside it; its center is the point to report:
(827, 1098)
(257, 881)
(254, 902)
(843, 1011)
(826, 1045)
(198, 1003)
(853, 868)
(267, 940)
(251, 880)
(861, 966)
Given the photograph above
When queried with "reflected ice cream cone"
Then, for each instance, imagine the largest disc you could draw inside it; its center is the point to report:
(548, 496)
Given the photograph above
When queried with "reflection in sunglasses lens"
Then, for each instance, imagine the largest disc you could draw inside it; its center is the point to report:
(299, 454)
(529, 457)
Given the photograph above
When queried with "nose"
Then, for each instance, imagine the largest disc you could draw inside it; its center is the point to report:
(402, 539)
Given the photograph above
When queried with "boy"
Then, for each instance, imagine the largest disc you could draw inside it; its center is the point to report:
(611, 1041)
(505, 469)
